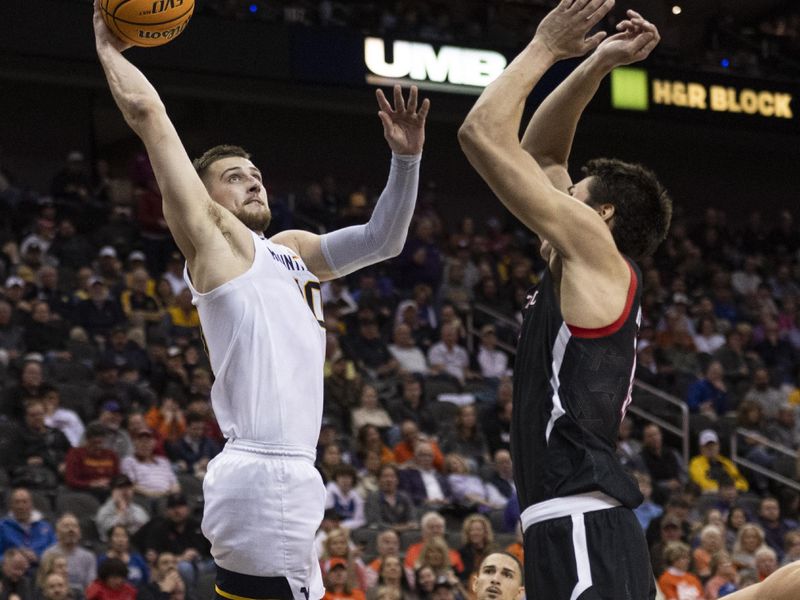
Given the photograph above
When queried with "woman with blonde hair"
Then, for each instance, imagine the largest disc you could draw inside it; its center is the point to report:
(711, 542)
(436, 554)
(749, 540)
(477, 538)
(337, 547)
(54, 562)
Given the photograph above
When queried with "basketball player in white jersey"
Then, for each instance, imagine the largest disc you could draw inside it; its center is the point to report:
(260, 308)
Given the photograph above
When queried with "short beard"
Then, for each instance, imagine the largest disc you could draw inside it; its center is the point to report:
(258, 222)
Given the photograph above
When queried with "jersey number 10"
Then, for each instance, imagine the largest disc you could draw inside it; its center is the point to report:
(313, 294)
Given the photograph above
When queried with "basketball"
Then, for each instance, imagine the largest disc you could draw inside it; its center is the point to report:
(147, 23)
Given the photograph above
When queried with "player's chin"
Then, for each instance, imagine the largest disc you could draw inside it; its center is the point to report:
(255, 217)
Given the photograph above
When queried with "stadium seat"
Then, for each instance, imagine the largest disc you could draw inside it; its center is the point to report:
(443, 412)
(72, 371)
(435, 386)
(43, 503)
(454, 539)
(192, 488)
(409, 537)
(366, 538)
(504, 540)
(73, 396)
(749, 502)
(78, 503)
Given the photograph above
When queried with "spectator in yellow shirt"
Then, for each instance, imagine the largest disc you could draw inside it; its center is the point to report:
(709, 469)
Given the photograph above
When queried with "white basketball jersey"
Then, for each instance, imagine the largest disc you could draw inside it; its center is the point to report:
(266, 342)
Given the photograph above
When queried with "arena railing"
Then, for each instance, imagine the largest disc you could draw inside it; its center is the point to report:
(675, 406)
(755, 467)
(502, 322)
(681, 430)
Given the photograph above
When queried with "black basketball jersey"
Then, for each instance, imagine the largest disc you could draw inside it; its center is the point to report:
(571, 389)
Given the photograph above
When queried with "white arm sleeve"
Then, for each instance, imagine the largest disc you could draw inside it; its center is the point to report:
(384, 236)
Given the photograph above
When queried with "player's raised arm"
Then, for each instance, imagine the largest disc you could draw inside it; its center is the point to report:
(550, 132)
(346, 250)
(192, 217)
(489, 137)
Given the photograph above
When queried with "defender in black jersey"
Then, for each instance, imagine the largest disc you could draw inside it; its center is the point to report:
(577, 349)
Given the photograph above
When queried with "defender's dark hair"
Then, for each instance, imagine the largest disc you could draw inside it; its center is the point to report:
(216, 153)
(642, 207)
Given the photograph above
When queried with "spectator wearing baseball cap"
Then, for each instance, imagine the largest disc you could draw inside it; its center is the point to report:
(111, 417)
(109, 267)
(492, 361)
(90, 467)
(14, 291)
(138, 298)
(710, 469)
(100, 312)
(120, 509)
(179, 532)
(152, 475)
(337, 584)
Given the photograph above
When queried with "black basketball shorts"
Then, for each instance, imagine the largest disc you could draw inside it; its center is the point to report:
(595, 554)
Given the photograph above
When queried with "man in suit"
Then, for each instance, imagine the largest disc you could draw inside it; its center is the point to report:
(427, 487)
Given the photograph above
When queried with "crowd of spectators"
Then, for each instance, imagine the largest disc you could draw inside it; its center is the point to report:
(106, 427)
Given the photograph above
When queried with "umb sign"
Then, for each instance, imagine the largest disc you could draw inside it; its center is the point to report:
(450, 69)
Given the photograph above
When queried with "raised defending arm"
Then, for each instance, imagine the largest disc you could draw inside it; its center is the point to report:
(548, 137)
(341, 252)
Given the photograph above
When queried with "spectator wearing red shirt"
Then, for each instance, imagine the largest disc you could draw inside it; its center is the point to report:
(111, 582)
(90, 468)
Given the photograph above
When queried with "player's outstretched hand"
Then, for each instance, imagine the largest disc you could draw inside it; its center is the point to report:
(103, 36)
(403, 125)
(635, 41)
(563, 31)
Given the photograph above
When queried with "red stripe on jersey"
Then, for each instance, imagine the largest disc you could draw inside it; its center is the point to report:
(599, 332)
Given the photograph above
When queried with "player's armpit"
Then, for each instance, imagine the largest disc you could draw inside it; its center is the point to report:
(574, 229)
(193, 218)
(558, 176)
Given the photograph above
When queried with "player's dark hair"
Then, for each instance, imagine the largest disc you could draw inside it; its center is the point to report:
(642, 207)
(216, 153)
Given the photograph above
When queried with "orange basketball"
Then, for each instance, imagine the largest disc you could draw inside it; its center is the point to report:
(147, 22)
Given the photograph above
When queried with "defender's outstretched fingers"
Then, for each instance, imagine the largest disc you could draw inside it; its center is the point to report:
(383, 103)
(644, 41)
(412, 100)
(579, 5)
(599, 13)
(647, 48)
(424, 109)
(399, 103)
